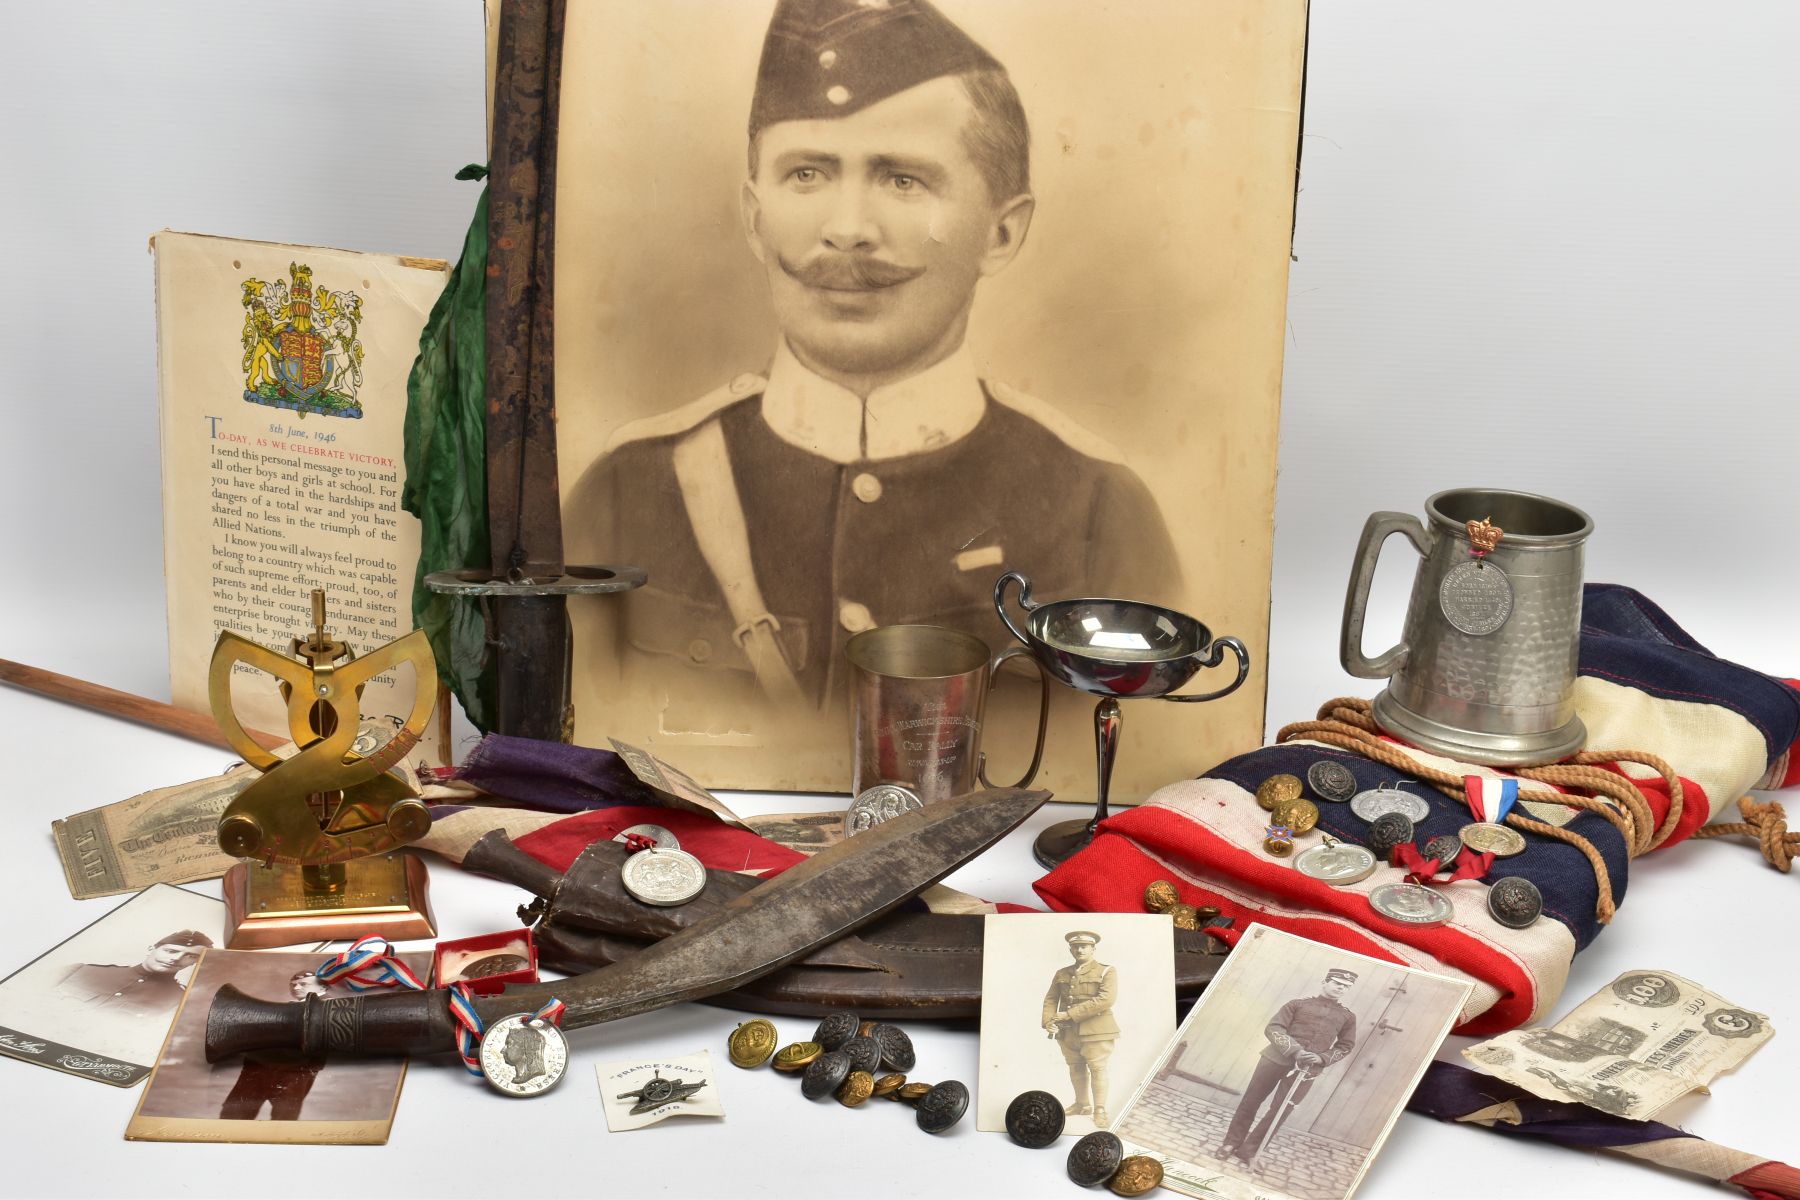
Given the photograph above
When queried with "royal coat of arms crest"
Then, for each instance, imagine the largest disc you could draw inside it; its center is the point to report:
(301, 349)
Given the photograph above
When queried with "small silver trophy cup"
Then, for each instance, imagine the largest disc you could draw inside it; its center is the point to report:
(1116, 650)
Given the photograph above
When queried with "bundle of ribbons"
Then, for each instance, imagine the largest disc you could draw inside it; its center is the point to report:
(1700, 731)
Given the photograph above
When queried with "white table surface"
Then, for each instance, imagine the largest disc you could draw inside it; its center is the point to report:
(1710, 911)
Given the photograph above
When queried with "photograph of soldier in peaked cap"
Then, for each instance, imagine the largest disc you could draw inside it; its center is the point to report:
(874, 300)
(1075, 1004)
(1287, 1075)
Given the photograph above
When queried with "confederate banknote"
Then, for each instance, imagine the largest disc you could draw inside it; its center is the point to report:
(1643, 1041)
(170, 835)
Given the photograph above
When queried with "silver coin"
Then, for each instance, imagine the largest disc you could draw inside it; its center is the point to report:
(663, 877)
(1337, 864)
(1487, 837)
(663, 838)
(1515, 901)
(1375, 801)
(1476, 597)
(1331, 780)
(523, 1056)
(883, 802)
(1411, 904)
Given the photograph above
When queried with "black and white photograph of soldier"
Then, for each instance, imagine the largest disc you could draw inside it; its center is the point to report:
(1288, 1074)
(273, 1096)
(1077, 1005)
(99, 1004)
(874, 336)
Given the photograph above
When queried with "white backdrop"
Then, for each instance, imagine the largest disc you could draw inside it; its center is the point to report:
(1541, 245)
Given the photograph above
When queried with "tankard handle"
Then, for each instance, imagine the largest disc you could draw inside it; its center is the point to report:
(1024, 603)
(1037, 755)
(1356, 601)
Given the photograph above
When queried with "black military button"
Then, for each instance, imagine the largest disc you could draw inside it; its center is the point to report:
(1094, 1158)
(824, 1075)
(943, 1106)
(1034, 1119)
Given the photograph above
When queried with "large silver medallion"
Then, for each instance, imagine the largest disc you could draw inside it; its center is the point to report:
(883, 802)
(663, 877)
(656, 833)
(1411, 904)
(1489, 837)
(1476, 597)
(1337, 864)
(522, 1055)
(1376, 801)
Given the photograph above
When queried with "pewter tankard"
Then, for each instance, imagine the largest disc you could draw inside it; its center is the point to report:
(1485, 669)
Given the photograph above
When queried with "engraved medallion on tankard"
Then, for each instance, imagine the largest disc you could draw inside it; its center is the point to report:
(1485, 668)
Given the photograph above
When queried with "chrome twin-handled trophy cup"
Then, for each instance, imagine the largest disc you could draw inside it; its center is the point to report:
(1116, 650)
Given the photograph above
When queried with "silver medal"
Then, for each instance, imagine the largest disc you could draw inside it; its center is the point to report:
(1476, 597)
(522, 1055)
(1411, 904)
(1337, 863)
(663, 877)
(1376, 801)
(883, 802)
(663, 838)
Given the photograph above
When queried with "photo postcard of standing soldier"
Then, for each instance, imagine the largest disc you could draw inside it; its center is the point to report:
(269, 1096)
(98, 1004)
(282, 383)
(868, 303)
(1289, 1072)
(1075, 1004)
(1632, 1049)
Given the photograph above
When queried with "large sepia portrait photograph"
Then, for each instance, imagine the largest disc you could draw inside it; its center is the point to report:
(863, 303)
(1289, 1072)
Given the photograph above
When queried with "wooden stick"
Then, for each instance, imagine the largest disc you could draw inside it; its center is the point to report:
(141, 709)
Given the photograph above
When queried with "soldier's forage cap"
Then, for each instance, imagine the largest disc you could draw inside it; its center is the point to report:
(1337, 973)
(830, 58)
(1082, 937)
(192, 938)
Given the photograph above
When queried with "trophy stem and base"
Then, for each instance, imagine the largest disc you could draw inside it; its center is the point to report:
(1064, 838)
(288, 905)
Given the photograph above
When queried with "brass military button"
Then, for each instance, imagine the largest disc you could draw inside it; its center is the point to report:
(855, 617)
(1206, 912)
(1185, 916)
(912, 1093)
(866, 487)
(1277, 790)
(1300, 816)
(797, 1056)
(751, 1043)
(699, 650)
(744, 384)
(889, 1085)
(1136, 1175)
(1161, 896)
(857, 1087)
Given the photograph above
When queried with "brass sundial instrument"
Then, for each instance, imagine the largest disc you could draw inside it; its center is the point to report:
(320, 830)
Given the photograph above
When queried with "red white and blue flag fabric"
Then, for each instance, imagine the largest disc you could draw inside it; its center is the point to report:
(1644, 684)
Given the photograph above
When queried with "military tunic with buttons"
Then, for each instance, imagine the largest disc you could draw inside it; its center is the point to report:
(132, 990)
(1318, 1025)
(840, 544)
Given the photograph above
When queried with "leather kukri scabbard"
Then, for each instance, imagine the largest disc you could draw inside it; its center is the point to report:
(916, 965)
